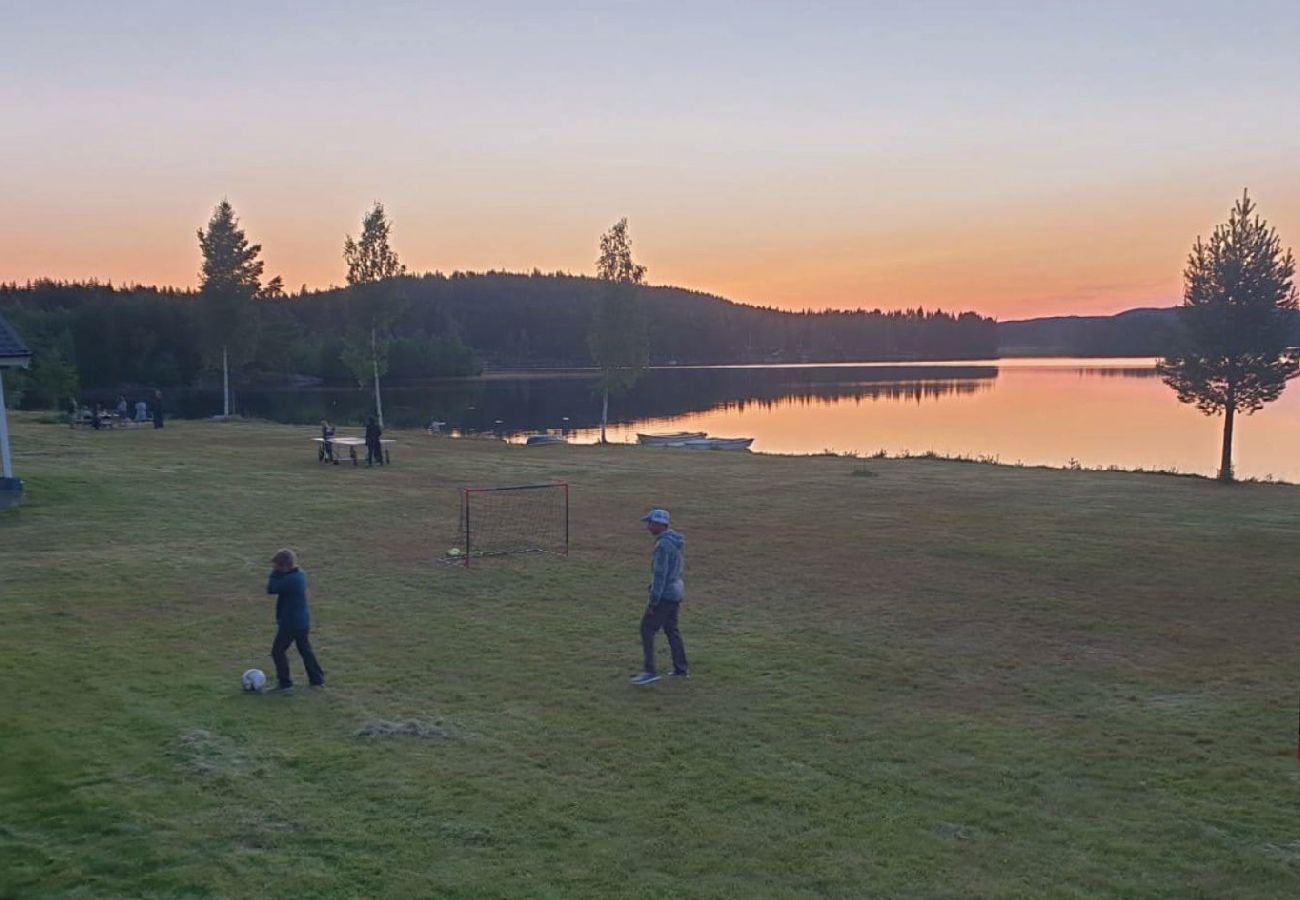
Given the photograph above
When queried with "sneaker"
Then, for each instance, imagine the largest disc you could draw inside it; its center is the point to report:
(644, 678)
(281, 689)
(318, 686)
(679, 674)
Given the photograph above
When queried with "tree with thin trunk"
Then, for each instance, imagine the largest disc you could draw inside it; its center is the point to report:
(1239, 302)
(375, 303)
(229, 280)
(618, 338)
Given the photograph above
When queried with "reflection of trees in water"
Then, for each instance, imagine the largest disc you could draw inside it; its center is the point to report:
(537, 402)
(540, 401)
(858, 392)
(1126, 372)
(534, 404)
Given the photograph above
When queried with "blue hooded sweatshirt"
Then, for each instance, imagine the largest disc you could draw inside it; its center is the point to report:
(666, 585)
(291, 605)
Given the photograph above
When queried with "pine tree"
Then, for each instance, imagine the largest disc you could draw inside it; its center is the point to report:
(375, 303)
(618, 338)
(1239, 301)
(230, 278)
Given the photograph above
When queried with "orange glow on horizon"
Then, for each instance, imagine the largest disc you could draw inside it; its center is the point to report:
(1069, 258)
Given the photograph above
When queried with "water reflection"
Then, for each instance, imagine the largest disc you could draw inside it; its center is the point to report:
(525, 403)
(1097, 413)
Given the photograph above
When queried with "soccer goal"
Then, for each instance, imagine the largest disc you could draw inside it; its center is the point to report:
(520, 518)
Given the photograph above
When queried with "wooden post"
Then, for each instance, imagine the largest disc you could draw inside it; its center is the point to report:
(374, 362)
(225, 384)
(6, 465)
(604, 416)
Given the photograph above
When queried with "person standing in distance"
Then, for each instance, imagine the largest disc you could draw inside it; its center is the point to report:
(327, 442)
(292, 620)
(666, 592)
(374, 446)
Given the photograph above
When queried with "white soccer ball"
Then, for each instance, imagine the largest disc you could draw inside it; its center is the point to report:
(254, 680)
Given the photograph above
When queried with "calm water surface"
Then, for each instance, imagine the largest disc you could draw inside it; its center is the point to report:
(1054, 412)
(1035, 411)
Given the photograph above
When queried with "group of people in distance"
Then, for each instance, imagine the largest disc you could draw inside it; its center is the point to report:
(98, 417)
(288, 583)
(374, 446)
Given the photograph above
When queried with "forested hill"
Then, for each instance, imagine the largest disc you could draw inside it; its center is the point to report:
(1147, 331)
(454, 324)
(1137, 332)
(544, 319)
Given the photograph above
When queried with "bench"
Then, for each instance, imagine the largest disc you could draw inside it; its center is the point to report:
(89, 422)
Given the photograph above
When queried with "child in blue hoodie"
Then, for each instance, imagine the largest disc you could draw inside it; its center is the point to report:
(292, 620)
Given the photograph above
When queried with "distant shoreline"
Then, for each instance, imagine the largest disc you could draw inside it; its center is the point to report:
(1010, 361)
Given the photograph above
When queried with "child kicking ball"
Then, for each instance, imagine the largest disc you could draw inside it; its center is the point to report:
(292, 621)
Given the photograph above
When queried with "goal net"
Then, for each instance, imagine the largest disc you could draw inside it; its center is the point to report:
(521, 518)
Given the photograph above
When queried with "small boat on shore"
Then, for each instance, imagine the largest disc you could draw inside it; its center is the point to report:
(715, 443)
(666, 440)
(538, 440)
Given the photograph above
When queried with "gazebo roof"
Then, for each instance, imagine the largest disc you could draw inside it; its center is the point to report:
(13, 352)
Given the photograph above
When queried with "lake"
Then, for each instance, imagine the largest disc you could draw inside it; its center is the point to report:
(1058, 412)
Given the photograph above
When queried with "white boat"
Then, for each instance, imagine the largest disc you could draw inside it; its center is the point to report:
(537, 440)
(714, 443)
(665, 440)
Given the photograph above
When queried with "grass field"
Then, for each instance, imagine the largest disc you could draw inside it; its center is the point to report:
(945, 680)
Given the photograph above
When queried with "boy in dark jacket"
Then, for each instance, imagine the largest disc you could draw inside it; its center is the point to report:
(292, 620)
(374, 447)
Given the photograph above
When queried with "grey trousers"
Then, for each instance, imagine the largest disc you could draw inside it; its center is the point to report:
(664, 616)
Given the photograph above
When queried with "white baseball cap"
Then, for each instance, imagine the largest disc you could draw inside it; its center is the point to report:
(658, 516)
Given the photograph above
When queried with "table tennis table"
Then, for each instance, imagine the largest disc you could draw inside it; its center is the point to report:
(336, 443)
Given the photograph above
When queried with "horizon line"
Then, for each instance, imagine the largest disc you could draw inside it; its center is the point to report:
(304, 290)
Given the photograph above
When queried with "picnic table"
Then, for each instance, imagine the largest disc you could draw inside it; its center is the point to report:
(352, 443)
(106, 420)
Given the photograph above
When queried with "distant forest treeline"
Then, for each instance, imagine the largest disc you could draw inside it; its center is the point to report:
(453, 325)
(1137, 332)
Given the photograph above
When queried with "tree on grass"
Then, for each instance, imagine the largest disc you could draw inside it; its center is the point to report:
(1234, 352)
(229, 280)
(53, 379)
(374, 303)
(618, 338)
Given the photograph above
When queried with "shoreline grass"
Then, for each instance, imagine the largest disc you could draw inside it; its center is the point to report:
(937, 681)
(1072, 465)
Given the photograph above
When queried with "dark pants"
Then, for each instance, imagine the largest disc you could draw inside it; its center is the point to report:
(282, 641)
(158, 419)
(662, 616)
(326, 452)
(374, 453)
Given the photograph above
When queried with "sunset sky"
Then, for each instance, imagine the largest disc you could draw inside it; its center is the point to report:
(1019, 159)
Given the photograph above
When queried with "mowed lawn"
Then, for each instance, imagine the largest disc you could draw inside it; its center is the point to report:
(939, 680)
